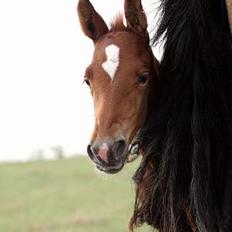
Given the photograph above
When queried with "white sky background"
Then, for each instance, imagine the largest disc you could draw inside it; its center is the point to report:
(43, 55)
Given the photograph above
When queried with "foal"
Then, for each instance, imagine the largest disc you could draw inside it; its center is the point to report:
(121, 75)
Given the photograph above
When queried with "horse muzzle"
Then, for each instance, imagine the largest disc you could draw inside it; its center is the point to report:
(109, 157)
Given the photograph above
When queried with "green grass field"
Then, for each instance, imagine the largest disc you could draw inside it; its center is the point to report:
(64, 196)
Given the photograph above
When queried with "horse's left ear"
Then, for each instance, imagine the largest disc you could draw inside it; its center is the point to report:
(135, 16)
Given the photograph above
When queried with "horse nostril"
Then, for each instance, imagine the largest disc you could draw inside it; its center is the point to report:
(91, 152)
(98, 153)
(118, 148)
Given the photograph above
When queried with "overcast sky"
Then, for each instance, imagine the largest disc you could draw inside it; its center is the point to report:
(43, 55)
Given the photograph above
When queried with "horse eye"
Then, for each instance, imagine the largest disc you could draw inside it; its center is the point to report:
(87, 82)
(142, 79)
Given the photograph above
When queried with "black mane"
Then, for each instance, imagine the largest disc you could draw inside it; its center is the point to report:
(184, 182)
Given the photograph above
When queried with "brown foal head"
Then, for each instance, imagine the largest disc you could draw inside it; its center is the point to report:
(119, 76)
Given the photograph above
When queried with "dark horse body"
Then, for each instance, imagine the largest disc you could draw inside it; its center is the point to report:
(184, 182)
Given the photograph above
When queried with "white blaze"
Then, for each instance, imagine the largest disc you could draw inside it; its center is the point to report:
(112, 60)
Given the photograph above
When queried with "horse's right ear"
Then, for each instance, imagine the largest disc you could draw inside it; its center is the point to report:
(135, 16)
(91, 22)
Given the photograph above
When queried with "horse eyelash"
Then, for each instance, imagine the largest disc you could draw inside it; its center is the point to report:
(84, 79)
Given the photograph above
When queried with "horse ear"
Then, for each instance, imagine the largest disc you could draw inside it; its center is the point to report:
(91, 22)
(135, 16)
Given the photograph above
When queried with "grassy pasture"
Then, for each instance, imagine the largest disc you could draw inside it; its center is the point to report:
(64, 196)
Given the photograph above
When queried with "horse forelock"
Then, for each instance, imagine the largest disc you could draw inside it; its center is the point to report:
(117, 24)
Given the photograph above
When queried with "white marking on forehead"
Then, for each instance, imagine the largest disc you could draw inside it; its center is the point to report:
(112, 60)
